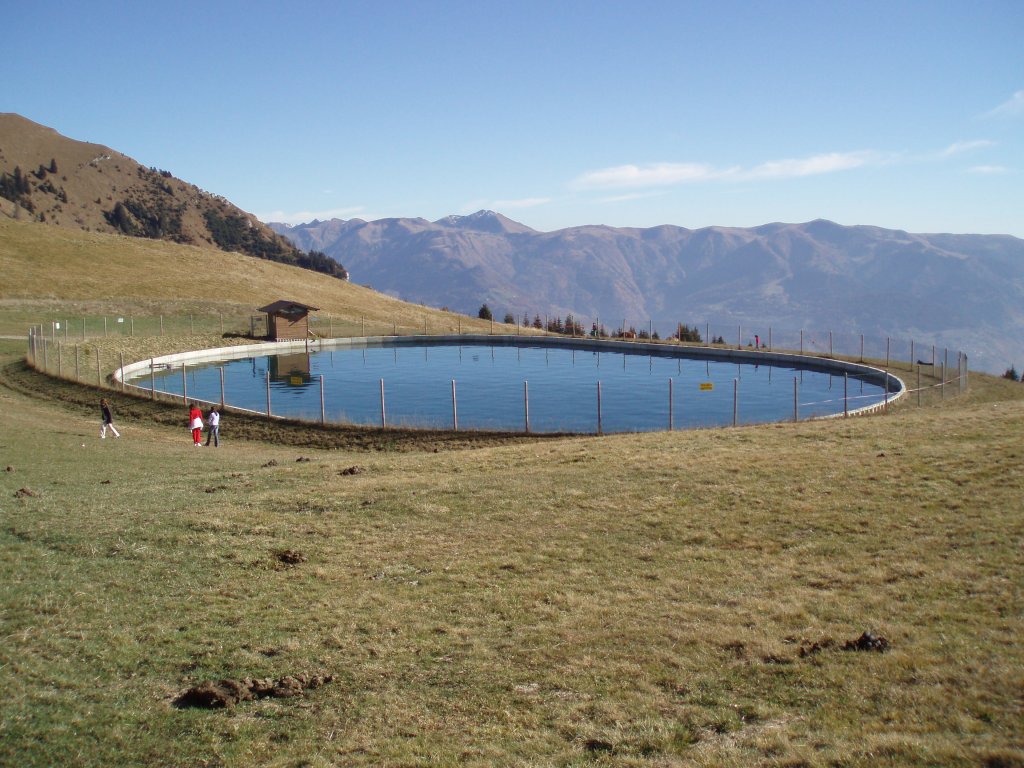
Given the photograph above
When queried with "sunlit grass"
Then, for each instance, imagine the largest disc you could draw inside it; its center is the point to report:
(629, 600)
(659, 599)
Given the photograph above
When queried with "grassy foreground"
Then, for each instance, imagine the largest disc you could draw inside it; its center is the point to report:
(648, 600)
(656, 599)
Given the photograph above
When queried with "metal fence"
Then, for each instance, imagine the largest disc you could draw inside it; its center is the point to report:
(75, 350)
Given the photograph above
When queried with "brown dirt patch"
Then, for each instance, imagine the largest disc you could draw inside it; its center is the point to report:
(227, 693)
(867, 642)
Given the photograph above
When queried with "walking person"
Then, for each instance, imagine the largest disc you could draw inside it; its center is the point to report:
(213, 427)
(107, 419)
(195, 423)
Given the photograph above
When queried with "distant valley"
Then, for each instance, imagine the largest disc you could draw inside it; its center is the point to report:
(961, 291)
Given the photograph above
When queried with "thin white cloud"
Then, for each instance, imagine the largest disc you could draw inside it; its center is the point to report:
(989, 170)
(655, 175)
(831, 162)
(304, 217)
(673, 174)
(1012, 107)
(960, 147)
(630, 196)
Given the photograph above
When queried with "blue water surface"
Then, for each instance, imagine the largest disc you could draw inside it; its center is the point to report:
(566, 390)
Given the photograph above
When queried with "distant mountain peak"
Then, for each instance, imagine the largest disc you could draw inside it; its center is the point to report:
(485, 221)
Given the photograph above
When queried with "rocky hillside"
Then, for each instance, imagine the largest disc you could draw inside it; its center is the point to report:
(963, 291)
(50, 178)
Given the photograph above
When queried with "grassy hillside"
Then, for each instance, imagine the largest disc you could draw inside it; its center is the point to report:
(46, 177)
(46, 269)
(634, 600)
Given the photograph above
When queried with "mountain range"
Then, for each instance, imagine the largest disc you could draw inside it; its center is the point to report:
(961, 291)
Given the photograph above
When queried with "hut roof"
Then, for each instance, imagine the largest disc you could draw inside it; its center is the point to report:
(286, 307)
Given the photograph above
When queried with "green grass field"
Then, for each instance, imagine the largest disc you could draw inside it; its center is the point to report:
(633, 600)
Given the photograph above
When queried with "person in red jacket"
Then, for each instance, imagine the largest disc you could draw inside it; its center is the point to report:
(195, 423)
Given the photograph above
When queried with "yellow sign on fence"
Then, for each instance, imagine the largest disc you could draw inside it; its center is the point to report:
(706, 386)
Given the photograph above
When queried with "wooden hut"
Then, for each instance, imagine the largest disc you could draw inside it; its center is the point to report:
(287, 320)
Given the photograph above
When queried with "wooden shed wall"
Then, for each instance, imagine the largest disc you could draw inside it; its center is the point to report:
(283, 329)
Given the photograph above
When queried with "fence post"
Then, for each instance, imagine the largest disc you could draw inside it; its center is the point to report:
(104, 325)
(526, 405)
(323, 411)
(161, 325)
(133, 326)
(383, 412)
(455, 409)
(739, 337)
(669, 403)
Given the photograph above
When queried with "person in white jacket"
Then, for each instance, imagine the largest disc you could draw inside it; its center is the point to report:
(213, 427)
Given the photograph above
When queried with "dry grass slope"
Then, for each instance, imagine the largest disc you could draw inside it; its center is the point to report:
(46, 267)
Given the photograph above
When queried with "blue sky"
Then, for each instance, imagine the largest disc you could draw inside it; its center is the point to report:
(907, 115)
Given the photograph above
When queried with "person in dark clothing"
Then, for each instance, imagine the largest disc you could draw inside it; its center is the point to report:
(107, 417)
